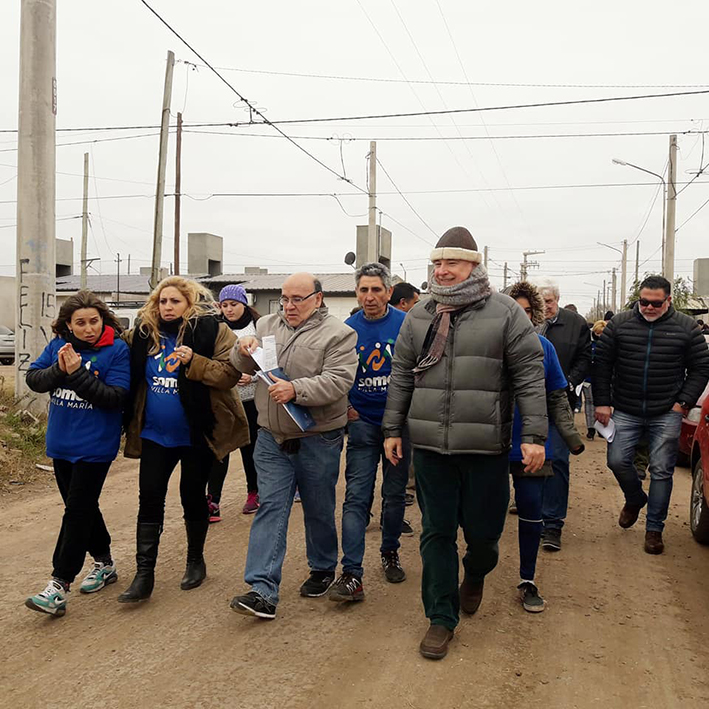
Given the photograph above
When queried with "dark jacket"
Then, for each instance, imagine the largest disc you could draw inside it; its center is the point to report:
(572, 341)
(643, 368)
(464, 404)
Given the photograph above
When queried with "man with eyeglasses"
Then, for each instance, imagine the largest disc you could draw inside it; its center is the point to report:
(651, 364)
(317, 353)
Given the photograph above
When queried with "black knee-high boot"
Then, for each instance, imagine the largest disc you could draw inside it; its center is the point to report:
(196, 570)
(148, 540)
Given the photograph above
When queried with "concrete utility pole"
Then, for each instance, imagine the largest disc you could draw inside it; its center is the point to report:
(178, 187)
(372, 240)
(504, 277)
(162, 167)
(85, 223)
(118, 279)
(485, 257)
(614, 292)
(637, 261)
(528, 264)
(624, 275)
(668, 264)
(605, 300)
(36, 189)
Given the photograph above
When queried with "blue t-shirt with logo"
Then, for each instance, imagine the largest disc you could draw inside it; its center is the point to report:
(76, 429)
(375, 350)
(555, 379)
(165, 419)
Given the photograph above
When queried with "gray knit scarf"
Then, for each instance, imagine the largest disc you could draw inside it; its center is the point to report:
(472, 292)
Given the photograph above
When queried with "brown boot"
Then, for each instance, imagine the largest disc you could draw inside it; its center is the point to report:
(434, 645)
(471, 595)
(654, 543)
(629, 515)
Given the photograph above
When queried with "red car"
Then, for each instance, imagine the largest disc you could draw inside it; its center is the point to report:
(699, 506)
(689, 428)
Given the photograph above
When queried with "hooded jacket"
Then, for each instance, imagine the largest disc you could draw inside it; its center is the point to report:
(644, 368)
(464, 404)
(320, 359)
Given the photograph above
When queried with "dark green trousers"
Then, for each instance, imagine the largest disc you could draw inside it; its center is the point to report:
(470, 491)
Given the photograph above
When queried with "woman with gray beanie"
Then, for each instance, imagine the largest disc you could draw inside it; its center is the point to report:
(241, 318)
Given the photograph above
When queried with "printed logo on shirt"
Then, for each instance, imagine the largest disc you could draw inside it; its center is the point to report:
(170, 364)
(371, 362)
(70, 399)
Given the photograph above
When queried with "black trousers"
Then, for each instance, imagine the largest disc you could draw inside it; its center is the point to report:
(217, 475)
(156, 465)
(83, 528)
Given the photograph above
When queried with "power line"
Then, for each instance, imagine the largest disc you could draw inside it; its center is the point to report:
(692, 215)
(481, 109)
(250, 105)
(303, 75)
(91, 142)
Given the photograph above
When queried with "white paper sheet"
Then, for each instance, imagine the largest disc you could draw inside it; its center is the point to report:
(579, 389)
(270, 358)
(257, 356)
(608, 432)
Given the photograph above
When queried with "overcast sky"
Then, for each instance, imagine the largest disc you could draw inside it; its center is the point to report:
(110, 72)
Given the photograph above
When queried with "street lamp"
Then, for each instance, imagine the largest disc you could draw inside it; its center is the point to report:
(616, 161)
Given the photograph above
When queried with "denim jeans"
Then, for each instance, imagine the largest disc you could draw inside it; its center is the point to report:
(365, 448)
(556, 487)
(662, 436)
(314, 469)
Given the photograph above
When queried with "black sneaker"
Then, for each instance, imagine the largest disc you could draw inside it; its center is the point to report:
(317, 584)
(347, 588)
(407, 529)
(551, 540)
(409, 499)
(392, 567)
(253, 604)
(531, 600)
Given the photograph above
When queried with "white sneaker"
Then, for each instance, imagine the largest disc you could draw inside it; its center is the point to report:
(52, 600)
(101, 575)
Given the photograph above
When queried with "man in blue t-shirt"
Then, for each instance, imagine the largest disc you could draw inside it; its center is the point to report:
(377, 326)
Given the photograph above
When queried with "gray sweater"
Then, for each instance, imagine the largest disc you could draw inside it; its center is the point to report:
(465, 403)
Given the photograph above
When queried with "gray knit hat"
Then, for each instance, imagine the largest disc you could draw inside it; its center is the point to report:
(457, 243)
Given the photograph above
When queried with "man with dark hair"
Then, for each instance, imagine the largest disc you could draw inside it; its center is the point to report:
(651, 364)
(404, 296)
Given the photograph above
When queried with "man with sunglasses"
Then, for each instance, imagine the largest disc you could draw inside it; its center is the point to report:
(317, 353)
(651, 364)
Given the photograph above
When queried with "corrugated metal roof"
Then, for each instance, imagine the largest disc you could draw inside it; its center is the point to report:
(331, 282)
(106, 283)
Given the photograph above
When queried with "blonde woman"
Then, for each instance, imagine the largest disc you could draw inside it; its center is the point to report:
(182, 408)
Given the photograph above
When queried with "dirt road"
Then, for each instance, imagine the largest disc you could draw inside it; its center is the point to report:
(622, 629)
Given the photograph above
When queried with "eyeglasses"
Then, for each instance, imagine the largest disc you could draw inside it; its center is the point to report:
(655, 303)
(296, 299)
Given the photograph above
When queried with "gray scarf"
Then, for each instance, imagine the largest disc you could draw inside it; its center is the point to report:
(473, 291)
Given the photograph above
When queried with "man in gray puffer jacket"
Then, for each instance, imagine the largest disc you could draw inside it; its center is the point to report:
(461, 360)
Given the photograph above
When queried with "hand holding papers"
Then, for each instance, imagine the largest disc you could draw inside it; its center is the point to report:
(608, 431)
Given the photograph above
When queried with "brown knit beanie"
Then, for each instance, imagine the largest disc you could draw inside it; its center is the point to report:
(457, 243)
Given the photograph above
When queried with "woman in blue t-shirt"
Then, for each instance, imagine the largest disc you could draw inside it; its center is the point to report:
(182, 409)
(86, 370)
(529, 487)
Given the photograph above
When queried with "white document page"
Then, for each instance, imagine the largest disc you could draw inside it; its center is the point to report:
(608, 432)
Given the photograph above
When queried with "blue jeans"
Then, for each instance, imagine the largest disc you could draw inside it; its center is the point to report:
(314, 469)
(365, 448)
(556, 487)
(662, 436)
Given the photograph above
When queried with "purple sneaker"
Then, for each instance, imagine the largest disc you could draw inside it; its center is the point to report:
(251, 504)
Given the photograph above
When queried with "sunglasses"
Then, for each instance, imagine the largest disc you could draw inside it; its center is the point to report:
(655, 303)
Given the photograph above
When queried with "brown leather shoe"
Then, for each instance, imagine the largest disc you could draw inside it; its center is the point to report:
(434, 645)
(654, 543)
(471, 595)
(629, 515)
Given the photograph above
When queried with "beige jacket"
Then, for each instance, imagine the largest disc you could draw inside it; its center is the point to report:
(320, 359)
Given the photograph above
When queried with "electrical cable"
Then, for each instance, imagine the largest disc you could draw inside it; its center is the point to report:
(692, 215)
(250, 105)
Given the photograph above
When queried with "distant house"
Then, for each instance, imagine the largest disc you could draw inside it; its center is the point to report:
(265, 289)
(110, 288)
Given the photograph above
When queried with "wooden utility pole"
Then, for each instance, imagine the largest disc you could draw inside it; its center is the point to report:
(178, 187)
(668, 265)
(504, 277)
(614, 291)
(525, 265)
(637, 261)
(118, 279)
(162, 166)
(36, 190)
(624, 275)
(129, 264)
(372, 240)
(85, 223)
